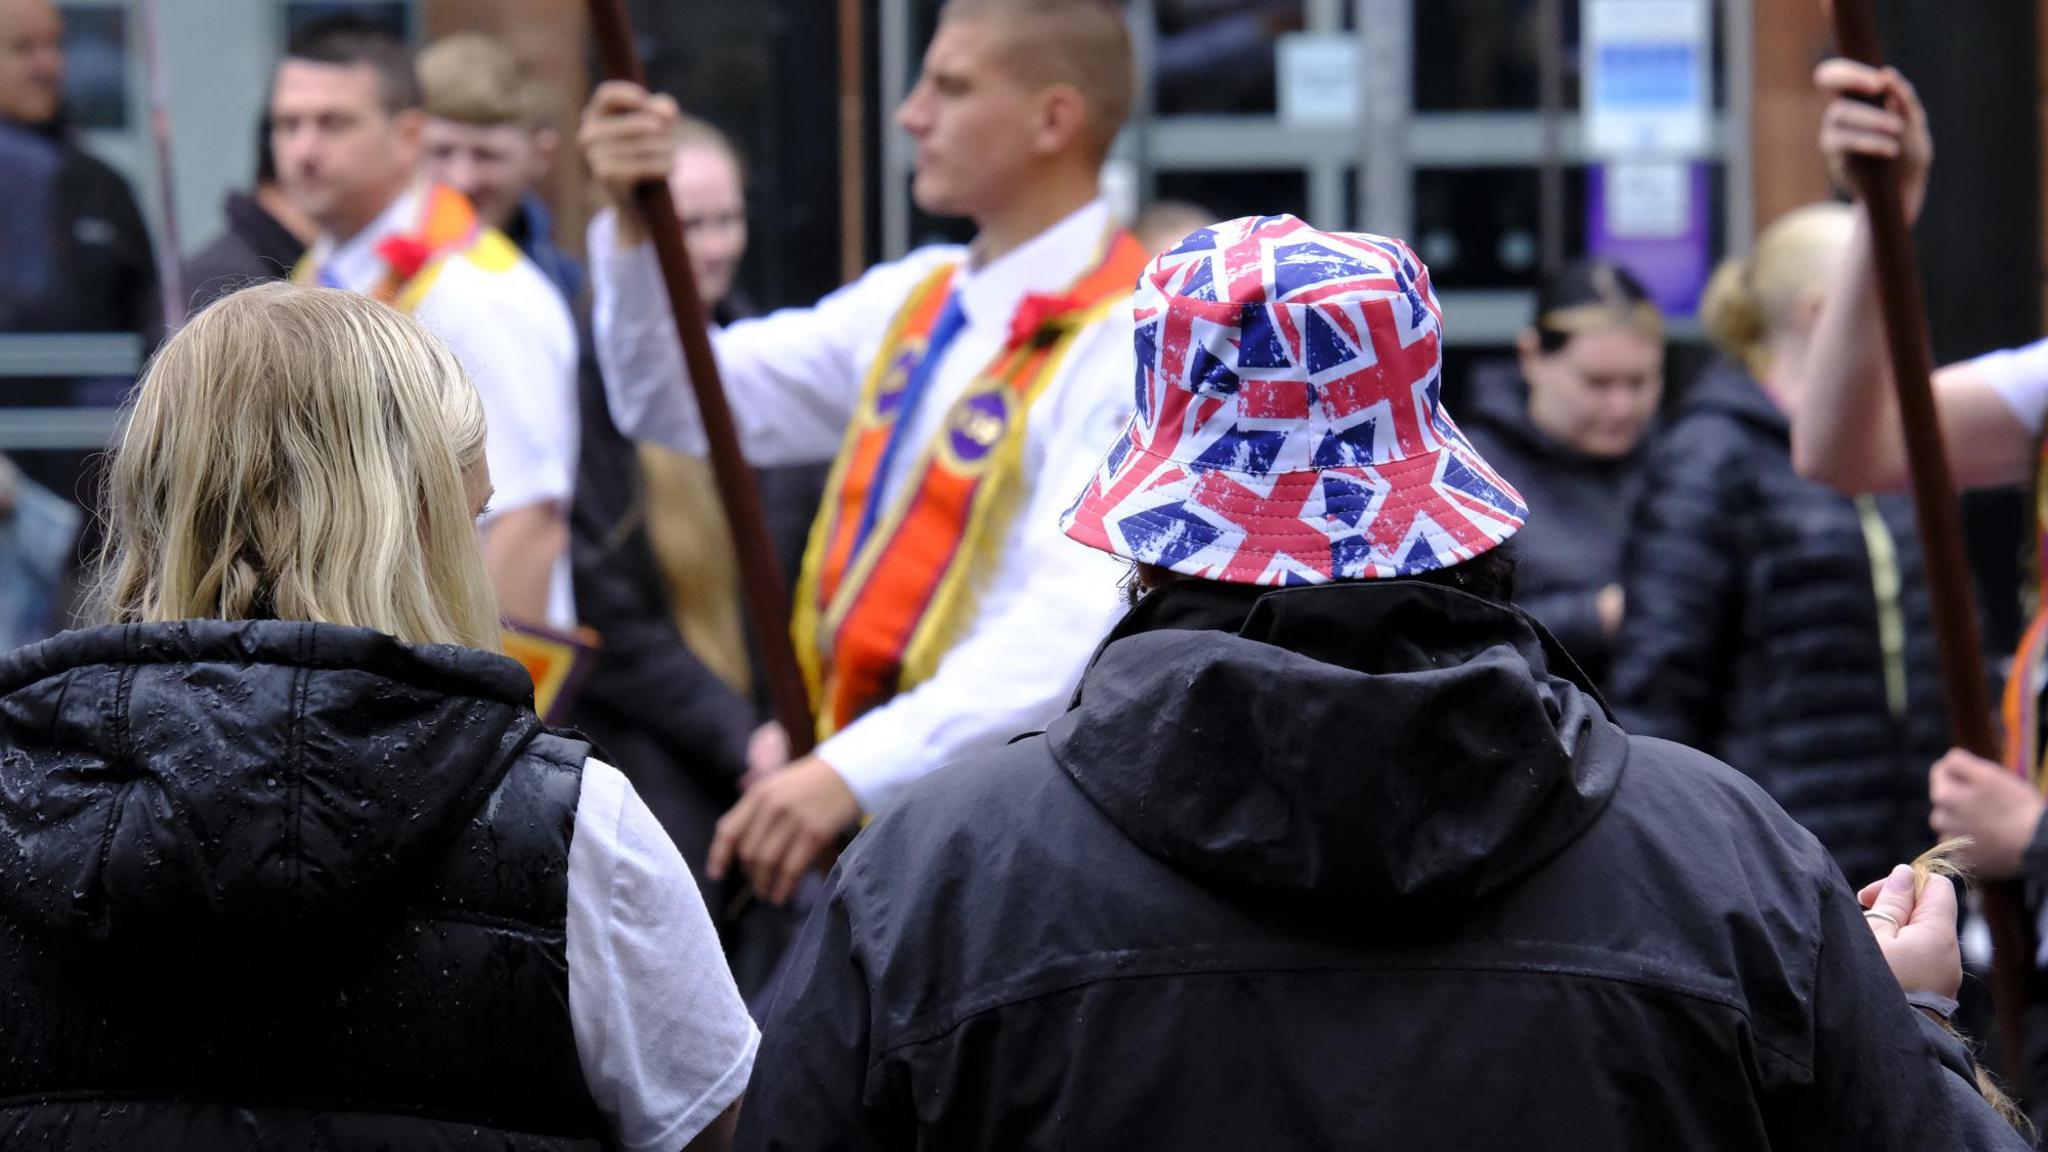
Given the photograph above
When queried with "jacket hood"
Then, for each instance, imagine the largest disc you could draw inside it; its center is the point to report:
(235, 782)
(1728, 389)
(1359, 743)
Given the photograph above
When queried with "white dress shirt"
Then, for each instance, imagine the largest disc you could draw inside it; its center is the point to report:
(514, 336)
(794, 378)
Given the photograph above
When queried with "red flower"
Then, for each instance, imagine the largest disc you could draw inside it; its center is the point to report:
(1039, 315)
(405, 256)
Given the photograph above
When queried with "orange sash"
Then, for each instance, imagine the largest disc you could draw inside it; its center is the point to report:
(448, 224)
(874, 616)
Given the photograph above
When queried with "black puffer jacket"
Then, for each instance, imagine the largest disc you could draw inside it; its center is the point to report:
(277, 885)
(1367, 873)
(1755, 630)
(1579, 512)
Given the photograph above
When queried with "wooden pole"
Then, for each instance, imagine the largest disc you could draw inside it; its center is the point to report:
(764, 590)
(1966, 684)
(853, 209)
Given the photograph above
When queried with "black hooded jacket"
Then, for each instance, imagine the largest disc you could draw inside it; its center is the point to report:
(1756, 631)
(1357, 866)
(282, 885)
(1579, 510)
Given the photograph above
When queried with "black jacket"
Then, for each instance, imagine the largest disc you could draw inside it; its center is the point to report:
(98, 266)
(282, 885)
(663, 717)
(255, 247)
(1755, 632)
(1369, 873)
(1579, 509)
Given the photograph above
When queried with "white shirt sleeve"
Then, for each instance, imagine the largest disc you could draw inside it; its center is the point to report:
(665, 1042)
(515, 338)
(1049, 604)
(792, 377)
(2020, 377)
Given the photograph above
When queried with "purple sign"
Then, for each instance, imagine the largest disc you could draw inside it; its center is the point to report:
(1652, 219)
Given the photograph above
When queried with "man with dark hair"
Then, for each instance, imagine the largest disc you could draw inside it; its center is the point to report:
(266, 234)
(75, 255)
(958, 390)
(1336, 848)
(345, 124)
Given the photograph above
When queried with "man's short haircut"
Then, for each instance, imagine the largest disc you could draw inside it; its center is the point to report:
(1084, 43)
(353, 42)
(472, 78)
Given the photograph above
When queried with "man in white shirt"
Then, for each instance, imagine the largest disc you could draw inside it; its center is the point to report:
(965, 393)
(345, 125)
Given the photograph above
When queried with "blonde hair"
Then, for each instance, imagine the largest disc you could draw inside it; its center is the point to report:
(472, 78)
(1749, 301)
(687, 531)
(299, 453)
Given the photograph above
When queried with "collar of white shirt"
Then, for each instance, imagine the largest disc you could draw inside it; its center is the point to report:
(1048, 262)
(356, 265)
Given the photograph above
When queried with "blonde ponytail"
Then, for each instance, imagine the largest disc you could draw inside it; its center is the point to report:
(1732, 317)
(1750, 302)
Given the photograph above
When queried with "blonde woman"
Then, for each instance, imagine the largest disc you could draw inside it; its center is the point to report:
(285, 855)
(1773, 622)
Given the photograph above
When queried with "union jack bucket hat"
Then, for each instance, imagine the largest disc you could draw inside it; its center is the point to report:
(1290, 427)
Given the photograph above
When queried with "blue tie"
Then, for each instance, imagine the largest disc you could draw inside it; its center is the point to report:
(951, 320)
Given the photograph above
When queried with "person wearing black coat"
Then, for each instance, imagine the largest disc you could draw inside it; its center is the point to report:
(75, 255)
(1774, 623)
(264, 236)
(1568, 432)
(286, 857)
(1358, 864)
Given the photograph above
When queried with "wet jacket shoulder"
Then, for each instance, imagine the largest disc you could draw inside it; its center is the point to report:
(1782, 627)
(1579, 511)
(1216, 907)
(269, 881)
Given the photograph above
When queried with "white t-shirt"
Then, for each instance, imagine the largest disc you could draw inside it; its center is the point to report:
(665, 1042)
(2020, 377)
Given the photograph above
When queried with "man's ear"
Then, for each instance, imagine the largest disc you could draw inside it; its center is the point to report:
(409, 124)
(546, 142)
(1062, 119)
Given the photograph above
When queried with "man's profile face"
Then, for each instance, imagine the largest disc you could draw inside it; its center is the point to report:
(494, 165)
(342, 157)
(974, 122)
(31, 61)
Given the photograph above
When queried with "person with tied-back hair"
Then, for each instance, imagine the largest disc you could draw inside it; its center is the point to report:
(1569, 432)
(285, 855)
(1773, 622)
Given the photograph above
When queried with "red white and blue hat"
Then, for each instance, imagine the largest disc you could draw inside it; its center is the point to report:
(1290, 427)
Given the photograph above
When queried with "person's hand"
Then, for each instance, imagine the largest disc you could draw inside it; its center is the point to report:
(1996, 809)
(767, 754)
(628, 136)
(1610, 603)
(782, 826)
(9, 481)
(1895, 131)
(1916, 934)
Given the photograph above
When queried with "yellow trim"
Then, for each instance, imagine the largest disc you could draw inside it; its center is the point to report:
(804, 621)
(954, 600)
